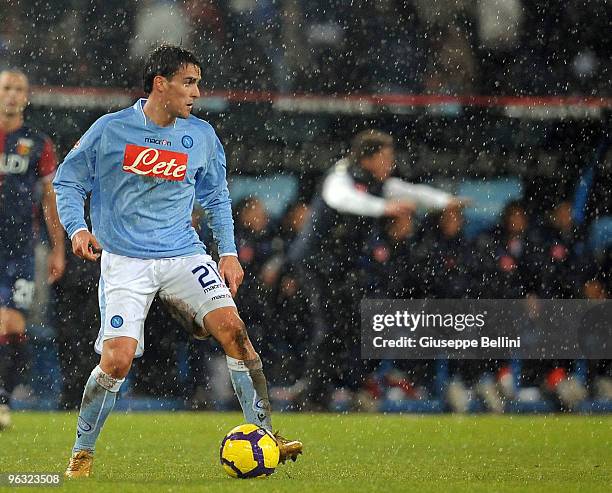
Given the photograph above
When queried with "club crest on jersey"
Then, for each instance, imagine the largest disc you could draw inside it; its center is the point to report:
(155, 163)
(187, 141)
(24, 146)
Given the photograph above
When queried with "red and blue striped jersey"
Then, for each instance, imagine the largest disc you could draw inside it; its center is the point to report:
(26, 157)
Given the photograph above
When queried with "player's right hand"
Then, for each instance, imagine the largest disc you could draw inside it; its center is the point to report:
(85, 245)
(399, 208)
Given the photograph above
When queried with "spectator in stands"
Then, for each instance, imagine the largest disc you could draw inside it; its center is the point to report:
(448, 258)
(509, 254)
(290, 226)
(389, 266)
(562, 255)
(596, 333)
(454, 46)
(453, 269)
(499, 33)
(452, 66)
(254, 234)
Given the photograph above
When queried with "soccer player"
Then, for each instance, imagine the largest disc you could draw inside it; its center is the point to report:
(27, 166)
(144, 167)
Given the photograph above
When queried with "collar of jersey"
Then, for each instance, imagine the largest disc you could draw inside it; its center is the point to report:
(139, 108)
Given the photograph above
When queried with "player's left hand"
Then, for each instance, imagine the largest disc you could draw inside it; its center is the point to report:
(231, 272)
(56, 265)
(459, 203)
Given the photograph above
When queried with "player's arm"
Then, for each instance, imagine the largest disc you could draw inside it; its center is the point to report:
(57, 256)
(73, 181)
(213, 195)
(56, 260)
(422, 195)
(340, 193)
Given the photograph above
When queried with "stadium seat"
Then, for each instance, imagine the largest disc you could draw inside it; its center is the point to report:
(276, 191)
(489, 198)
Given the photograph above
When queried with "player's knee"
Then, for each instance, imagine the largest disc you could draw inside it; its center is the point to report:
(117, 359)
(234, 334)
(118, 366)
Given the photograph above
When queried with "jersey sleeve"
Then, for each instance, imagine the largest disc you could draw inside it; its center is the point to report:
(339, 192)
(48, 160)
(74, 180)
(213, 195)
(422, 195)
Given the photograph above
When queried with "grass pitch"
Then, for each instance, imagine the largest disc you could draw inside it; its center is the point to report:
(178, 452)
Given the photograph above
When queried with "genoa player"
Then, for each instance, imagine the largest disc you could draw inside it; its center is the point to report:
(27, 162)
(144, 167)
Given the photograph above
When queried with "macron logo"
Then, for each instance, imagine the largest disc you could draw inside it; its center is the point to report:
(159, 142)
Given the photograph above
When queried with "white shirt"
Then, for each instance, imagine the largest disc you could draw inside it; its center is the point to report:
(340, 193)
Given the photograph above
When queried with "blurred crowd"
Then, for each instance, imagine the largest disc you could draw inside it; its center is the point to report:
(526, 255)
(339, 46)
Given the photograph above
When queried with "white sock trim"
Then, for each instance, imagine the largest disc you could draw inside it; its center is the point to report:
(242, 365)
(106, 381)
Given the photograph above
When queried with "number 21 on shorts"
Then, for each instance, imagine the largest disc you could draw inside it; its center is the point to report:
(208, 276)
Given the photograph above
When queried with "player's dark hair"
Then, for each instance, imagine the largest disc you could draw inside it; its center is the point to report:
(368, 143)
(166, 60)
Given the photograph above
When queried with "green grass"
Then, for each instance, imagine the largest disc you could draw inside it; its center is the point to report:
(355, 453)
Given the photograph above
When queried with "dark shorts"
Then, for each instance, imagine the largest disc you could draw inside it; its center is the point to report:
(16, 280)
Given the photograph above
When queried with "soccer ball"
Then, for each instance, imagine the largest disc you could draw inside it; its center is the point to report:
(249, 451)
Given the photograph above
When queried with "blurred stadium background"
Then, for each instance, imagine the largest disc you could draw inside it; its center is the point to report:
(505, 102)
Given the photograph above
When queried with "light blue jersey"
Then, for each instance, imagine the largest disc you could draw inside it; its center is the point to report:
(143, 181)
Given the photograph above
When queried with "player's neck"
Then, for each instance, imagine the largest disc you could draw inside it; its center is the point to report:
(155, 111)
(10, 123)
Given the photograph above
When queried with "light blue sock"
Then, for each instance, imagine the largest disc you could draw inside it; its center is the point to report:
(98, 401)
(252, 390)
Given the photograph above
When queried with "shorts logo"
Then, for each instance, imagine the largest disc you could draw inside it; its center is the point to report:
(187, 142)
(116, 321)
(155, 163)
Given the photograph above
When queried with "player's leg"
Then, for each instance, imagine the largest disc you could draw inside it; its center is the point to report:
(99, 398)
(126, 290)
(195, 294)
(16, 293)
(193, 288)
(101, 390)
(12, 357)
(243, 362)
(246, 373)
